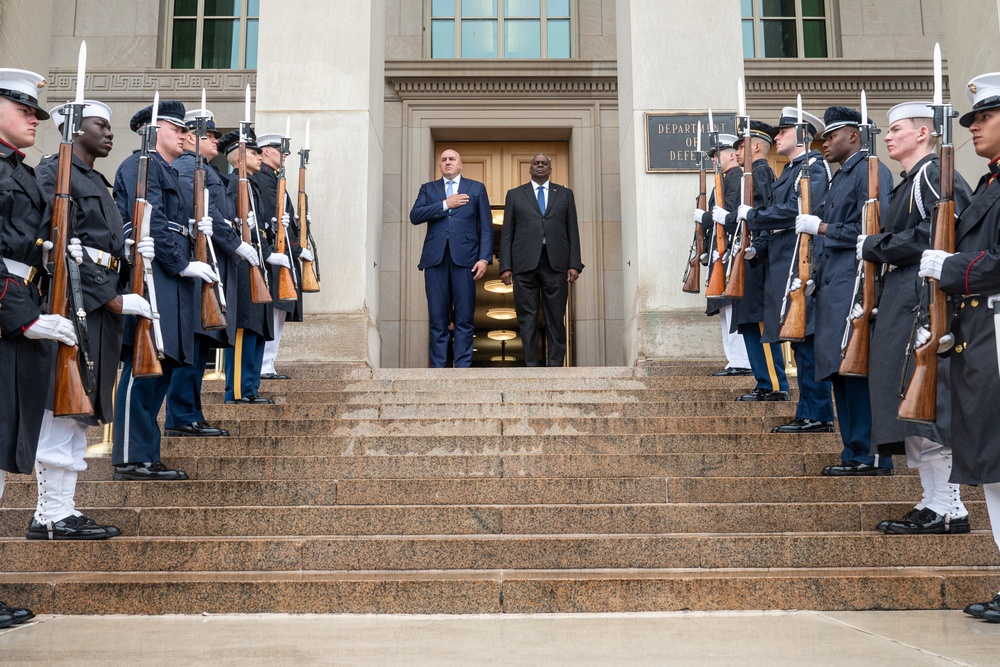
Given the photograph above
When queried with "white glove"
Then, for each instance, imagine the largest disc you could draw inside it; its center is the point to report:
(306, 255)
(147, 248)
(133, 304)
(796, 284)
(698, 214)
(285, 220)
(251, 220)
(857, 311)
(199, 270)
(246, 251)
(47, 245)
(75, 250)
(309, 219)
(921, 337)
(704, 259)
(279, 259)
(750, 253)
(743, 210)
(715, 255)
(807, 224)
(931, 263)
(860, 246)
(205, 226)
(52, 327)
(719, 215)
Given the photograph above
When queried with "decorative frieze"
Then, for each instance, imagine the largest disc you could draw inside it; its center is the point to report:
(139, 85)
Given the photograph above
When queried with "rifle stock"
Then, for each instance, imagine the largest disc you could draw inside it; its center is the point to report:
(310, 279)
(146, 353)
(717, 273)
(286, 283)
(793, 327)
(258, 288)
(70, 398)
(737, 275)
(692, 277)
(213, 316)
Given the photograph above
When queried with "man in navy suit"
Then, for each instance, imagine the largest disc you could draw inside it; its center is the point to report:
(457, 249)
(540, 254)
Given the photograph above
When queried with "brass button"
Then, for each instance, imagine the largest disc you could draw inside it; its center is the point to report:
(959, 348)
(963, 304)
(975, 303)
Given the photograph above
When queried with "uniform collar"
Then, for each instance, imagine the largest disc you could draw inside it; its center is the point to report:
(856, 158)
(920, 163)
(6, 150)
(994, 170)
(267, 169)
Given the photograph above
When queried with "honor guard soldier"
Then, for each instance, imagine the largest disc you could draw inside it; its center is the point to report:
(737, 362)
(27, 337)
(814, 412)
(766, 359)
(290, 311)
(906, 233)
(99, 247)
(971, 277)
(136, 452)
(838, 220)
(184, 413)
(254, 321)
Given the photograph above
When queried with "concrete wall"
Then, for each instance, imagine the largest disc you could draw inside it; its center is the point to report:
(889, 29)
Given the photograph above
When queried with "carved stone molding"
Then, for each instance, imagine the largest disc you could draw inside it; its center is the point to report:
(139, 85)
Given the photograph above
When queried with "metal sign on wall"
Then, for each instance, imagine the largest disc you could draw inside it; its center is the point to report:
(671, 142)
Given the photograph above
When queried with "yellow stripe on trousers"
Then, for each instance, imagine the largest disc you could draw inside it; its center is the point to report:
(771, 372)
(238, 366)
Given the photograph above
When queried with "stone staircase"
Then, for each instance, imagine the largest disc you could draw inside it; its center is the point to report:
(489, 491)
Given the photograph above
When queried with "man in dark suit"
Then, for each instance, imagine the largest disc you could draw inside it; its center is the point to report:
(540, 253)
(457, 249)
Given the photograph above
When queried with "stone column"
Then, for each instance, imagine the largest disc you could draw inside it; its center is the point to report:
(973, 39)
(672, 57)
(325, 62)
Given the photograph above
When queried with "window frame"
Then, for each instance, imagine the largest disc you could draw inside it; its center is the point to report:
(199, 18)
(574, 47)
(757, 18)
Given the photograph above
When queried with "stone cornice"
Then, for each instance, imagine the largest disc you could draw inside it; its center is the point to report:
(488, 78)
(120, 85)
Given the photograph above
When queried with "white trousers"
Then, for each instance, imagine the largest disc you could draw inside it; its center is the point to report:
(732, 343)
(271, 346)
(992, 493)
(62, 444)
(933, 461)
(3, 482)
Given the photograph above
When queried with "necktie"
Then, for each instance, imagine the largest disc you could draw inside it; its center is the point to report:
(449, 188)
(541, 199)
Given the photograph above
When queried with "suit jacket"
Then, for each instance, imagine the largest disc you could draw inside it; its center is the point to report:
(467, 231)
(524, 227)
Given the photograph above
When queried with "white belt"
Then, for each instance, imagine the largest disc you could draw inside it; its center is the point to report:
(102, 258)
(21, 270)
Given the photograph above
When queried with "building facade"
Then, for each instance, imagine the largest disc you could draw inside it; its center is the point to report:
(387, 85)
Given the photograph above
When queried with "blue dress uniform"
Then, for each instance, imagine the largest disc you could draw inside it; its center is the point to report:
(184, 414)
(766, 359)
(842, 211)
(138, 401)
(267, 182)
(815, 402)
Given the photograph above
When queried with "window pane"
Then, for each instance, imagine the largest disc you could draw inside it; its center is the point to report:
(522, 39)
(558, 34)
(748, 51)
(814, 38)
(779, 7)
(253, 8)
(779, 39)
(558, 8)
(183, 44)
(479, 39)
(747, 8)
(220, 45)
(185, 7)
(443, 8)
(222, 7)
(479, 8)
(252, 28)
(523, 8)
(442, 39)
(813, 8)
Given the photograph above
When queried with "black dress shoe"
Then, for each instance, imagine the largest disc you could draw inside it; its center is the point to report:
(729, 372)
(855, 469)
(991, 616)
(776, 396)
(978, 609)
(803, 425)
(154, 470)
(882, 525)
(195, 429)
(274, 376)
(250, 400)
(6, 619)
(70, 528)
(929, 522)
(17, 614)
(753, 396)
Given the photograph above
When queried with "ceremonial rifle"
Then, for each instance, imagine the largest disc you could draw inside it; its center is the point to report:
(717, 270)
(259, 292)
(74, 376)
(148, 344)
(736, 284)
(286, 278)
(310, 269)
(856, 344)
(793, 321)
(213, 298)
(692, 274)
(919, 400)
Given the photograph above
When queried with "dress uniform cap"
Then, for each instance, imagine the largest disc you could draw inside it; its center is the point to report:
(837, 117)
(265, 140)
(230, 141)
(984, 93)
(94, 109)
(789, 117)
(191, 120)
(725, 141)
(910, 110)
(758, 130)
(171, 111)
(22, 86)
